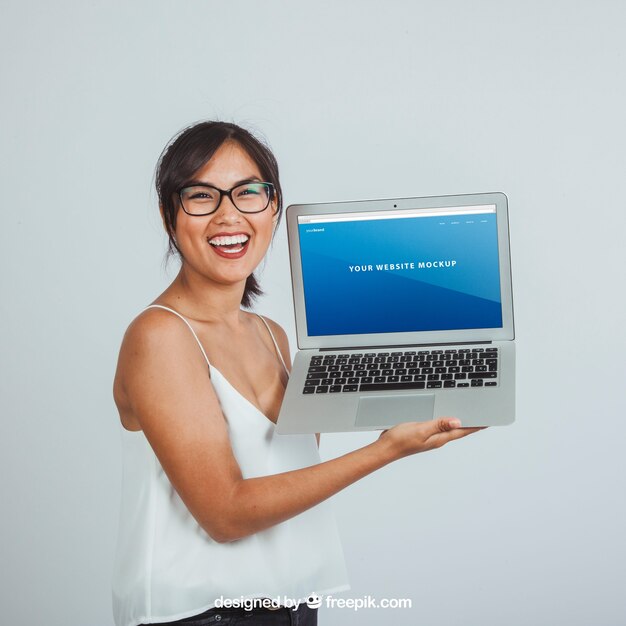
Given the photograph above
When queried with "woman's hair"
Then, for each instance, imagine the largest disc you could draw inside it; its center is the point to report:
(190, 150)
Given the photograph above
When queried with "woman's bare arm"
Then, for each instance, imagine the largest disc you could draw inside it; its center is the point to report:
(165, 381)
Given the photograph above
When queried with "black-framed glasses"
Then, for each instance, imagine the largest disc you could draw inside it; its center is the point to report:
(251, 197)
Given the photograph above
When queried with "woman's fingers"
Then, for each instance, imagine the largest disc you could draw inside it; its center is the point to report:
(441, 438)
(411, 437)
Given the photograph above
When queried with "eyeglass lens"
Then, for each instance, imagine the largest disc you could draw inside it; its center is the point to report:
(248, 198)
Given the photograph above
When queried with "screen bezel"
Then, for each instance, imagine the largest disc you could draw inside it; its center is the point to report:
(506, 332)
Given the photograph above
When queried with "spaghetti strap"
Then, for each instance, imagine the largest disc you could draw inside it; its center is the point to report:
(274, 340)
(160, 306)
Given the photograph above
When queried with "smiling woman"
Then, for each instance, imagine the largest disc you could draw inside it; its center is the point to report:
(182, 181)
(216, 507)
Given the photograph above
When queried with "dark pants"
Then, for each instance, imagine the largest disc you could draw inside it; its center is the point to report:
(304, 616)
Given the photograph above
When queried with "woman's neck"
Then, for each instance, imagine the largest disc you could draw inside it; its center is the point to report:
(204, 300)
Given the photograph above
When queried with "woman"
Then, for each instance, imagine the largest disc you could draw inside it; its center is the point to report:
(215, 505)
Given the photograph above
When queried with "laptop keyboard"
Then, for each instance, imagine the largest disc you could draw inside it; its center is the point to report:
(412, 369)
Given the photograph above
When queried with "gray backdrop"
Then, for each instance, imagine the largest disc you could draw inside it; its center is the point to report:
(519, 525)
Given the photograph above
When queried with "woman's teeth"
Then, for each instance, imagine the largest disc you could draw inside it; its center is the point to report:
(230, 244)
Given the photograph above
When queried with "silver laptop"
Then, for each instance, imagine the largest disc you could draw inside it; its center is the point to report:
(404, 312)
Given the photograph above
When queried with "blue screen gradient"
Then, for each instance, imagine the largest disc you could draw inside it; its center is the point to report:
(441, 273)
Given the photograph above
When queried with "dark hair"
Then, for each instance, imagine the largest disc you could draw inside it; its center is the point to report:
(186, 153)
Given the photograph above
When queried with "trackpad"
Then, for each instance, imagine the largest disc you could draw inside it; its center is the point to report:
(389, 410)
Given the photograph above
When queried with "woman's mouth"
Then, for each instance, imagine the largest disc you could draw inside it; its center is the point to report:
(230, 247)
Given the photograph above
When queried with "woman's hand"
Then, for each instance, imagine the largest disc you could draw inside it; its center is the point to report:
(412, 437)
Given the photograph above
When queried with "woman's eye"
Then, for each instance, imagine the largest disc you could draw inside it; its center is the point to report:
(250, 191)
(201, 195)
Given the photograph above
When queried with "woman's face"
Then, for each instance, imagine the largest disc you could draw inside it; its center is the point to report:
(229, 166)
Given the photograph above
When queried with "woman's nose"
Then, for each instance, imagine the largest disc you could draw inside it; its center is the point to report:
(227, 210)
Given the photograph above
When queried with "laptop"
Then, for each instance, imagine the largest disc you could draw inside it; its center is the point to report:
(403, 311)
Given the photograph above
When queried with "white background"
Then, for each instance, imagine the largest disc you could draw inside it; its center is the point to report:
(522, 525)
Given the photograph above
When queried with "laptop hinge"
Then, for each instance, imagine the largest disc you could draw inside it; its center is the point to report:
(407, 345)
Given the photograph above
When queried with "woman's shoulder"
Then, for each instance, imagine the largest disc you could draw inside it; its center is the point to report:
(280, 335)
(275, 327)
(156, 330)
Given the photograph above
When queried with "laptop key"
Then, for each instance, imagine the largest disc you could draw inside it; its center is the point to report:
(377, 379)
(449, 383)
(317, 368)
(353, 381)
(434, 384)
(308, 390)
(490, 383)
(462, 384)
(391, 386)
(321, 389)
(477, 382)
(482, 375)
(351, 387)
(312, 383)
(334, 388)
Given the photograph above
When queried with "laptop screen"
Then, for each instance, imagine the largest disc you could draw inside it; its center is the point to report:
(401, 271)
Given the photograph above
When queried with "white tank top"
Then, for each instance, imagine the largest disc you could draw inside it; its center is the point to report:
(167, 567)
